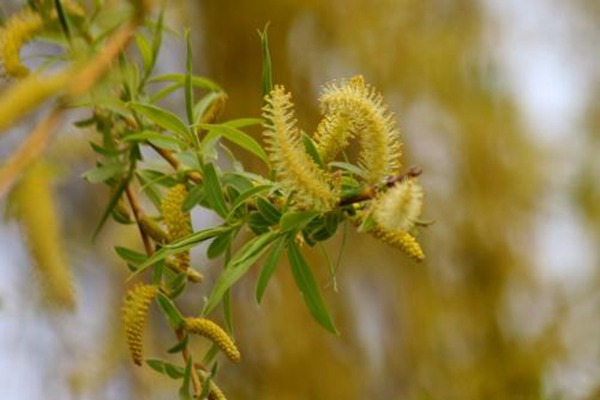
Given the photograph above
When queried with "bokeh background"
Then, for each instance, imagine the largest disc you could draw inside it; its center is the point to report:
(498, 102)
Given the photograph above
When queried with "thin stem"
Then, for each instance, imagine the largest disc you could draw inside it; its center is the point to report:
(137, 211)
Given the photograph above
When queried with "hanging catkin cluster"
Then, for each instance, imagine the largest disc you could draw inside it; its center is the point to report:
(135, 313)
(351, 110)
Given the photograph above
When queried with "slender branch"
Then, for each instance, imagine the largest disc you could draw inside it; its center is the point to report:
(168, 156)
(186, 356)
(370, 191)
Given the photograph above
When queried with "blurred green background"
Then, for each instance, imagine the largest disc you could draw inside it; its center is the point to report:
(497, 102)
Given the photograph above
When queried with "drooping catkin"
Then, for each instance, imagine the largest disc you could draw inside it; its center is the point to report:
(213, 332)
(17, 31)
(178, 222)
(38, 217)
(22, 97)
(353, 108)
(135, 313)
(401, 240)
(215, 393)
(293, 166)
(398, 208)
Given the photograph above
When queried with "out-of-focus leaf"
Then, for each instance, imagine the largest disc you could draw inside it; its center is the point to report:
(180, 346)
(197, 81)
(267, 270)
(166, 368)
(236, 136)
(242, 122)
(189, 95)
(309, 289)
(238, 266)
(184, 391)
(104, 172)
(163, 118)
(219, 245)
(131, 256)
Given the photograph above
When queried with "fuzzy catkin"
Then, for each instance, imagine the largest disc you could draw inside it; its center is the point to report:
(401, 240)
(213, 332)
(399, 207)
(38, 217)
(353, 108)
(135, 312)
(178, 222)
(17, 31)
(293, 166)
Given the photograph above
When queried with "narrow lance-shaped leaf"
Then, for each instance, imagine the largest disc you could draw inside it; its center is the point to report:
(238, 266)
(214, 191)
(268, 269)
(267, 72)
(309, 288)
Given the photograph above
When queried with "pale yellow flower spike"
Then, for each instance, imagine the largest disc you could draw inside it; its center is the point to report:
(135, 313)
(37, 214)
(354, 108)
(17, 31)
(401, 240)
(178, 222)
(293, 166)
(215, 393)
(399, 207)
(213, 332)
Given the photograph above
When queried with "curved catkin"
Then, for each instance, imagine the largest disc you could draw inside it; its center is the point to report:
(38, 217)
(135, 313)
(399, 207)
(213, 332)
(17, 31)
(333, 134)
(214, 392)
(293, 166)
(178, 222)
(214, 111)
(401, 240)
(365, 115)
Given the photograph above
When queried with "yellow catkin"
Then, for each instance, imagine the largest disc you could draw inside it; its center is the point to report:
(293, 166)
(215, 393)
(153, 229)
(213, 332)
(135, 313)
(17, 31)
(399, 207)
(38, 217)
(216, 108)
(401, 240)
(351, 108)
(178, 222)
(22, 97)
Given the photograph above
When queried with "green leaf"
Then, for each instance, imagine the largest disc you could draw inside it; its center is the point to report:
(184, 391)
(166, 368)
(244, 196)
(104, 172)
(267, 73)
(214, 191)
(243, 122)
(163, 118)
(178, 246)
(145, 50)
(267, 270)
(204, 103)
(219, 245)
(160, 139)
(238, 266)
(236, 136)
(196, 195)
(177, 285)
(189, 95)
(197, 81)
(63, 19)
(309, 289)
(271, 214)
(353, 169)
(131, 256)
(311, 150)
(179, 346)
(171, 312)
(296, 220)
(109, 207)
